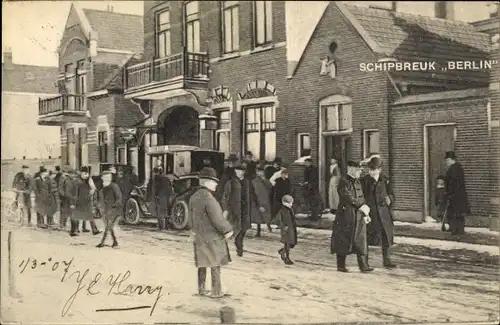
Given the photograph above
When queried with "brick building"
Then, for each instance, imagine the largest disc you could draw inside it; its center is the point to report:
(91, 111)
(290, 88)
(22, 86)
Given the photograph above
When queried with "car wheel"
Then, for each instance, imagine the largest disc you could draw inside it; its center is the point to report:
(180, 215)
(132, 213)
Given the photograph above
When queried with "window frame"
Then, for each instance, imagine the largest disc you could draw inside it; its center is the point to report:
(299, 144)
(118, 150)
(268, 30)
(338, 107)
(102, 143)
(366, 142)
(261, 130)
(163, 32)
(191, 20)
(234, 9)
(219, 130)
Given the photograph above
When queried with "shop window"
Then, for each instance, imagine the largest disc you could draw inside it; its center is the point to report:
(304, 145)
(260, 131)
(371, 143)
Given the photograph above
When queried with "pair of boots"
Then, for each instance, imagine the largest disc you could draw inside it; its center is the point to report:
(285, 255)
(362, 263)
(216, 282)
(386, 254)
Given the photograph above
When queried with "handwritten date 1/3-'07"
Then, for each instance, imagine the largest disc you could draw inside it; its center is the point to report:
(33, 263)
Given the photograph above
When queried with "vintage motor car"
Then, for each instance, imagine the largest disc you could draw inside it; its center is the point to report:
(181, 165)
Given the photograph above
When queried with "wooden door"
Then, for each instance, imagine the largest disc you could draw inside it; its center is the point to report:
(335, 147)
(440, 139)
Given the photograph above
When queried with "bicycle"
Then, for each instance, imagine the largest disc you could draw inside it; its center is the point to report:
(12, 209)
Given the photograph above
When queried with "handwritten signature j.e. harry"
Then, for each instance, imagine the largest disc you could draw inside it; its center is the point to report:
(86, 283)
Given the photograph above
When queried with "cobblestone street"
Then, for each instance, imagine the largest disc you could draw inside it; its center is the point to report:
(438, 288)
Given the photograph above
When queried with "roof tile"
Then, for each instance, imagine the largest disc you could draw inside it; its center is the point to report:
(117, 31)
(29, 78)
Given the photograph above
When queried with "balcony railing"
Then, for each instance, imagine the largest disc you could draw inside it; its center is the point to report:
(61, 104)
(189, 65)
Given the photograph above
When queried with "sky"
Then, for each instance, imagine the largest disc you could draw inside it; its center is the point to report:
(32, 29)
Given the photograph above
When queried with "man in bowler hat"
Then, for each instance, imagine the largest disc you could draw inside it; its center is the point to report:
(381, 230)
(456, 194)
(227, 174)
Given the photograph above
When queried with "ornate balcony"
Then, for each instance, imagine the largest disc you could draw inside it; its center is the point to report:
(154, 79)
(62, 109)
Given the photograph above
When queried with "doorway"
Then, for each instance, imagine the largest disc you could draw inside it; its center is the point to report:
(179, 126)
(338, 147)
(439, 139)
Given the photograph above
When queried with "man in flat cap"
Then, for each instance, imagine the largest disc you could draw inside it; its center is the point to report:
(23, 185)
(210, 233)
(381, 230)
(456, 194)
(349, 227)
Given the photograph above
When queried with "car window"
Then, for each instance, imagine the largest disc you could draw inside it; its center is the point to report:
(185, 184)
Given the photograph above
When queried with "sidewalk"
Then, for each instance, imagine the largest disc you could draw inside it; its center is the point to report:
(427, 230)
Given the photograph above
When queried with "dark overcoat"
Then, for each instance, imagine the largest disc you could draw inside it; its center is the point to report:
(46, 196)
(456, 194)
(109, 200)
(242, 199)
(382, 224)
(227, 174)
(288, 225)
(311, 179)
(349, 228)
(65, 190)
(208, 227)
(160, 192)
(82, 199)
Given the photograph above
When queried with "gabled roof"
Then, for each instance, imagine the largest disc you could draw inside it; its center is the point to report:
(29, 78)
(116, 31)
(404, 36)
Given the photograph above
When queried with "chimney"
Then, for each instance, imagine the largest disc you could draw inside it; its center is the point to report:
(394, 6)
(7, 56)
(444, 9)
(110, 8)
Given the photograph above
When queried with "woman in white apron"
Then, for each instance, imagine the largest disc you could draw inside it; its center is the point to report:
(333, 195)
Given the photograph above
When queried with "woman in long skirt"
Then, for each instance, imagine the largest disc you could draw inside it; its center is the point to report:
(333, 195)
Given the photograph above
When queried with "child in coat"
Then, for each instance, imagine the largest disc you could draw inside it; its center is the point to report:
(288, 226)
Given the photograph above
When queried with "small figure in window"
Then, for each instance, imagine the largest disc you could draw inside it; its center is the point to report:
(328, 67)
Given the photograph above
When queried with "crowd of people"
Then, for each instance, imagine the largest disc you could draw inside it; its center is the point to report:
(225, 207)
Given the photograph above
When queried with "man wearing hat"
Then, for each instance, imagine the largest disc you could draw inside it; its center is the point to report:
(160, 191)
(349, 227)
(456, 194)
(81, 202)
(311, 183)
(381, 230)
(275, 167)
(227, 174)
(23, 184)
(210, 233)
(46, 203)
(251, 168)
(110, 205)
(65, 188)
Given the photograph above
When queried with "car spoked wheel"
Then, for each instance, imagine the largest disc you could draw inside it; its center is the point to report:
(132, 213)
(179, 218)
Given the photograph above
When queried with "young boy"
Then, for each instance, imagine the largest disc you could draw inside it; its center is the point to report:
(440, 198)
(288, 226)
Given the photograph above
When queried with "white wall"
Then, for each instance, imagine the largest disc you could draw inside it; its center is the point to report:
(21, 135)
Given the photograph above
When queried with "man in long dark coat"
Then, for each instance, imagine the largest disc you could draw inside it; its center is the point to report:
(82, 201)
(381, 230)
(65, 188)
(23, 185)
(282, 187)
(456, 194)
(311, 183)
(227, 174)
(160, 193)
(349, 227)
(244, 201)
(269, 172)
(46, 199)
